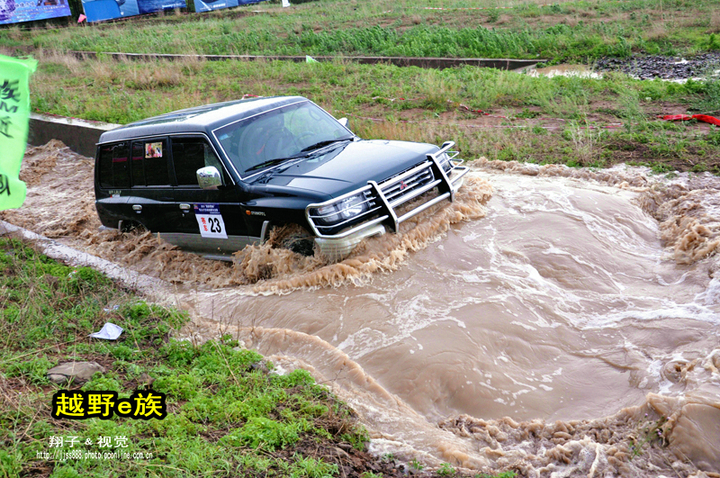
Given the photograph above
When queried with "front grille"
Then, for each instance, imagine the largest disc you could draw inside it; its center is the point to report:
(384, 201)
(396, 191)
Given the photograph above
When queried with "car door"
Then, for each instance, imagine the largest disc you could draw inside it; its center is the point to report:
(150, 196)
(207, 220)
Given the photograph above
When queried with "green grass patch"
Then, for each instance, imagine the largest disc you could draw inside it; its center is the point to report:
(572, 31)
(413, 104)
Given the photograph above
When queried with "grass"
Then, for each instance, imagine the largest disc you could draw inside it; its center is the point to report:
(228, 413)
(649, 432)
(581, 30)
(547, 120)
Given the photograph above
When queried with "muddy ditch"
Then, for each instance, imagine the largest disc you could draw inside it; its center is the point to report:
(581, 303)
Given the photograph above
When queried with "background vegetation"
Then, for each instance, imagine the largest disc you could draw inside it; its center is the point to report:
(571, 120)
(578, 30)
(575, 120)
(504, 115)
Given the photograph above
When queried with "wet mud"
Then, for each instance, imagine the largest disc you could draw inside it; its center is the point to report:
(555, 321)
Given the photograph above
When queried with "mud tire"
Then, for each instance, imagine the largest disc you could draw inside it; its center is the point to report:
(131, 226)
(293, 237)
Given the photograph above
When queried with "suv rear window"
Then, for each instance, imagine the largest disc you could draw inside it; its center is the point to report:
(113, 167)
(138, 155)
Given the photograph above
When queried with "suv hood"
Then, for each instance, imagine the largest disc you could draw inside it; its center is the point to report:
(343, 168)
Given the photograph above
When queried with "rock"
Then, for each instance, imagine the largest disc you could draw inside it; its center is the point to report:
(666, 67)
(77, 372)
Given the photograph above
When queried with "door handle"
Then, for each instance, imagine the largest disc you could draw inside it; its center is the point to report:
(137, 208)
(185, 207)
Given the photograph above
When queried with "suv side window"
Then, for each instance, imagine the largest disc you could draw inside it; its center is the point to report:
(113, 166)
(150, 162)
(189, 155)
(138, 172)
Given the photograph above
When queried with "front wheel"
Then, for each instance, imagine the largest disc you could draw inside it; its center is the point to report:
(293, 237)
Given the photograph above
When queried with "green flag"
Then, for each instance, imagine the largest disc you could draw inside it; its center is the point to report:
(14, 114)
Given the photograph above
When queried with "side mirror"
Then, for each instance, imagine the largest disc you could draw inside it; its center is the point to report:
(209, 177)
(343, 121)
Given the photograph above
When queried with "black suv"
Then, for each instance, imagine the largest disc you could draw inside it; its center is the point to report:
(215, 178)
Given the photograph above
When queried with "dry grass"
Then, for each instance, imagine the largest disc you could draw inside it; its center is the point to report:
(572, 22)
(493, 143)
(102, 72)
(714, 22)
(503, 20)
(14, 32)
(158, 75)
(657, 31)
(137, 75)
(692, 22)
(586, 141)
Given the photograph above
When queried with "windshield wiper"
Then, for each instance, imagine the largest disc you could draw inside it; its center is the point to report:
(321, 144)
(270, 162)
(303, 153)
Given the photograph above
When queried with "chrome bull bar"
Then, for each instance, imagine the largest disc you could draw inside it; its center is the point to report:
(446, 184)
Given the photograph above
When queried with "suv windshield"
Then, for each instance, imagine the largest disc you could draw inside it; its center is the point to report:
(287, 132)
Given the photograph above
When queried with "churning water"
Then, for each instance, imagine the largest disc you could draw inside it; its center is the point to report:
(541, 322)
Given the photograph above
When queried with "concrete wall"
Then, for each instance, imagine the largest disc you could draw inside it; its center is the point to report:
(80, 135)
(422, 62)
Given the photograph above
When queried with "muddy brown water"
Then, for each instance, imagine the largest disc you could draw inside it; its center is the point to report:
(581, 71)
(539, 323)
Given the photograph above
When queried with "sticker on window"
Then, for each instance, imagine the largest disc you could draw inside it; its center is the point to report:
(153, 150)
(210, 221)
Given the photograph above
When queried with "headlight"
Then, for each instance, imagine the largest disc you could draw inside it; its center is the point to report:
(342, 210)
(352, 206)
(328, 214)
(444, 161)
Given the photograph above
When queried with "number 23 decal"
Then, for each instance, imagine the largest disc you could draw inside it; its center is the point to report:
(210, 221)
(215, 226)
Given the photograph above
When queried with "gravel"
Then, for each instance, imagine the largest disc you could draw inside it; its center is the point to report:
(664, 67)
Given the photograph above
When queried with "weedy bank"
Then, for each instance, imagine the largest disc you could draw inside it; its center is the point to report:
(580, 30)
(573, 120)
(500, 115)
(228, 413)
